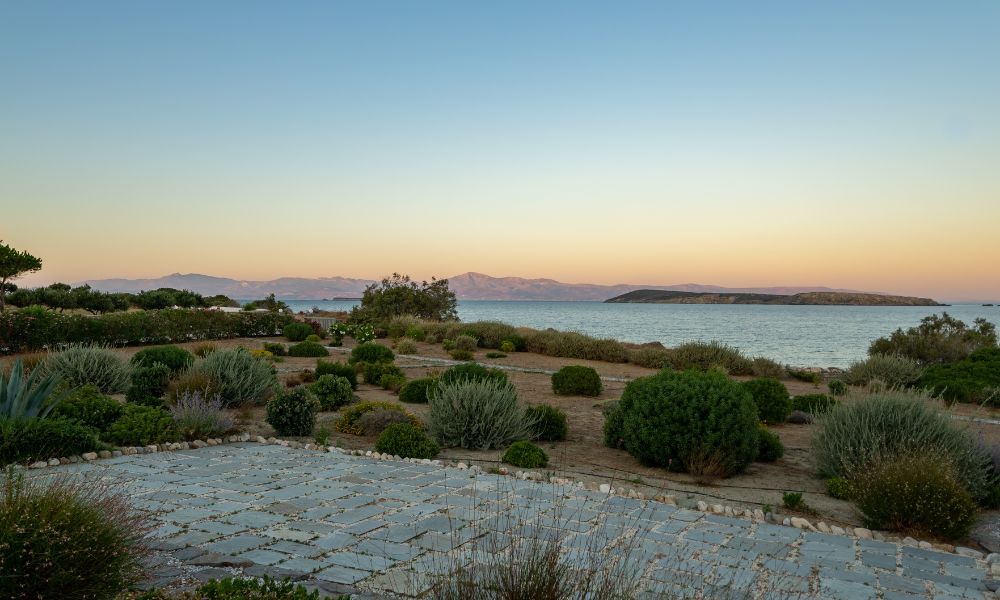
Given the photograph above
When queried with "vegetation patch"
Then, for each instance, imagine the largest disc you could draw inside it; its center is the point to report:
(415, 390)
(293, 412)
(339, 369)
(371, 352)
(307, 349)
(575, 380)
(349, 421)
(407, 441)
(550, 423)
(972, 379)
(525, 455)
(477, 413)
(771, 398)
(332, 391)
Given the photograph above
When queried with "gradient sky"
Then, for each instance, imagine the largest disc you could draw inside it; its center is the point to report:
(850, 144)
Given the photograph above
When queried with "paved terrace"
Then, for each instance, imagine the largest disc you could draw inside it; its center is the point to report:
(375, 528)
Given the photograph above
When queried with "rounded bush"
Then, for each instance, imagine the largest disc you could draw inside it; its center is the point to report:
(307, 349)
(689, 421)
(89, 406)
(771, 397)
(406, 347)
(471, 413)
(66, 538)
(770, 448)
(143, 425)
(332, 391)
(339, 369)
(414, 332)
(374, 422)
(407, 441)
(525, 455)
(175, 358)
(276, 348)
(917, 492)
(575, 380)
(373, 372)
(297, 331)
(813, 403)
(798, 417)
(549, 422)
(391, 382)
(313, 338)
(507, 346)
(461, 355)
(471, 372)
(97, 365)
(149, 384)
(293, 412)
(237, 377)
(467, 343)
(892, 370)
(514, 343)
(29, 439)
(349, 421)
(415, 390)
(370, 352)
(837, 387)
(839, 488)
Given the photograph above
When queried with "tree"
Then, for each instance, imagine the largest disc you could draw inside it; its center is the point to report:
(398, 295)
(943, 339)
(13, 264)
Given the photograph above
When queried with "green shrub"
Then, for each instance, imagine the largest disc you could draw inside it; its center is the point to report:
(943, 339)
(550, 422)
(332, 391)
(98, 365)
(30, 396)
(407, 441)
(191, 381)
(30, 439)
(375, 421)
(89, 406)
(149, 385)
(198, 417)
(254, 589)
(307, 349)
(507, 346)
(371, 353)
(574, 345)
(464, 355)
(650, 358)
(576, 380)
(414, 332)
(467, 343)
(495, 355)
(297, 331)
(339, 369)
(517, 341)
(770, 448)
(917, 492)
(391, 382)
(143, 425)
(771, 398)
(973, 379)
(448, 345)
(850, 437)
(477, 413)
(313, 338)
(792, 500)
(238, 377)
(68, 538)
(293, 412)
(688, 421)
(525, 455)
(804, 375)
(373, 372)
(349, 421)
(175, 358)
(406, 347)
(704, 356)
(415, 390)
(839, 488)
(837, 387)
(813, 403)
(471, 372)
(203, 350)
(276, 348)
(892, 370)
(765, 367)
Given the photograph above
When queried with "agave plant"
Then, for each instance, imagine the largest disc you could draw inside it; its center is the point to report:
(28, 397)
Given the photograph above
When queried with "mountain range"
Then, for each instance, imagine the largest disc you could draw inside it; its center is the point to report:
(467, 286)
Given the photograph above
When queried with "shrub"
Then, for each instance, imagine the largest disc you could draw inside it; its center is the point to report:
(175, 358)
(837, 387)
(27, 439)
(575, 380)
(375, 421)
(238, 378)
(467, 343)
(973, 379)
(293, 412)
(798, 417)
(415, 390)
(68, 538)
(149, 384)
(914, 492)
(80, 365)
(339, 369)
(550, 423)
(892, 370)
(191, 381)
(28, 397)
(313, 338)
(507, 346)
(471, 372)
(232, 588)
(770, 448)
(373, 372)
(391, 382)
(89, 406)
(397, 295)
(448, 345)
(262, 354)
(407, 441)
(699, 355)
(804, 375)
(839, 488)
(276, 348)
(406, 347)
(297, 331)
(678, 419)
(414, 332)
(203, 350)
(472, 413)
(332, 391)
(574, 345)
(349, 420)
(943, 339)
(765, 367)
(851, 436)
(651, 358)
(371, 352)
(197, 417)
(430, 338)
(525, 455)
(495, 355)
(813, 403)
(793, 500)
(771, 398)
(464, 355)
(307, 349)
(142, 426)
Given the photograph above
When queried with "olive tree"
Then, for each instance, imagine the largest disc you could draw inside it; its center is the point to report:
(13, 264)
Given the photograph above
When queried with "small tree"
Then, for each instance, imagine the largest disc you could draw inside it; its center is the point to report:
(399, 295)
(13, 264)
(943, 339)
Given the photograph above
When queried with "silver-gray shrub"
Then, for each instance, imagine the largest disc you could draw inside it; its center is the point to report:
(481, 414)
(238, 377)
(198, 416)
(80, 365)
(857, 432)
(892, 370)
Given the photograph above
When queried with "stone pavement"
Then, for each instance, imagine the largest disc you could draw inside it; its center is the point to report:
(375, 528)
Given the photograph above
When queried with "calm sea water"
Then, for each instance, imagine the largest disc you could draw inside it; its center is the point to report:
(817, 336)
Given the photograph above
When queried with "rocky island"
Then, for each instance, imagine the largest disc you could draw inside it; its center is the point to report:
(806, 298)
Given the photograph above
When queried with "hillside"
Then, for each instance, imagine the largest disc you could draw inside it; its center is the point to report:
(805, 298)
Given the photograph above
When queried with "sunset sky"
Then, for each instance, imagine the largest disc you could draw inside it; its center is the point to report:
(848, 144)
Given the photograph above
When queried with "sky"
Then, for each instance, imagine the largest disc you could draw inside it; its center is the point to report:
(848, 144)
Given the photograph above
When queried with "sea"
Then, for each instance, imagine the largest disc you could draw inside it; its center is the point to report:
(803, 336)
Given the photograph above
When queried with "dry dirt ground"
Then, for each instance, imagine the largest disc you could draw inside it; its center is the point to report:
(583, 456)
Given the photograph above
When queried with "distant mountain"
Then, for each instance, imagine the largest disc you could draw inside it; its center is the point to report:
(467, 286)
(811, 298)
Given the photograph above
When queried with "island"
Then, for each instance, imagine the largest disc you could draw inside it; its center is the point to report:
(807, 298)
